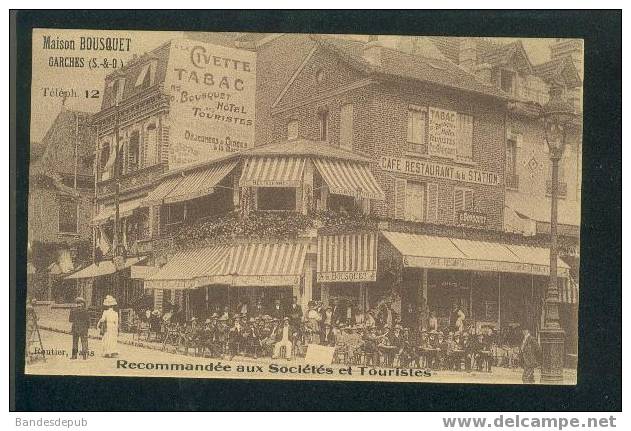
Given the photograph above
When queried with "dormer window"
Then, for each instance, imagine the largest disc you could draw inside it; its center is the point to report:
(507, 79)
(147, 75)
(117, 88)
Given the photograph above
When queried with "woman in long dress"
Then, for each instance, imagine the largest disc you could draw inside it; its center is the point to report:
(109, 319)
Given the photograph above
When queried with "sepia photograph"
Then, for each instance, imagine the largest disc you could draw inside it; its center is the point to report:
(304, 206)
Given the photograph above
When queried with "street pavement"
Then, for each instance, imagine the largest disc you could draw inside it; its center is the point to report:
(59, 363)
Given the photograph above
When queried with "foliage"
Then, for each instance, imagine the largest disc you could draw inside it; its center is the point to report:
(262, 225)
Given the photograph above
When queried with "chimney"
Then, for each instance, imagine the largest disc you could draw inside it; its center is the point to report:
(467, 57)
(372, 51)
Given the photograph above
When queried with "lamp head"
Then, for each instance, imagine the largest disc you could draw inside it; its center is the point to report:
(558, 114)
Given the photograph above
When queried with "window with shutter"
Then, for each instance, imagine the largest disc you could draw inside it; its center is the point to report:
(399, 198)
(150, 147)
(464, 129)
(417, 130)
(415, 201)
(463, 201)
(432, 203)
(346, 127)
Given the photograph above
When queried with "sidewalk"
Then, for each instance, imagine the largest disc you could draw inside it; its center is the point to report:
(56, 320)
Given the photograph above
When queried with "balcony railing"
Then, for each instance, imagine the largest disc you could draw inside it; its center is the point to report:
(131, 180)
(512, 181)
(561, 189)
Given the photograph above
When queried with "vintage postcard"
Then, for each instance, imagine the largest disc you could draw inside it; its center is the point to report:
(304, 206)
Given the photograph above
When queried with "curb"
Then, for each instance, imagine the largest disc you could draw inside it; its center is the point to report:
(93, 337)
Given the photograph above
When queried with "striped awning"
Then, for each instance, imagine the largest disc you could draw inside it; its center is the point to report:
(272, 172)
(105, 267)
(347, 258)
(424, 251)
(349, 178)
(125, 209)
(266, 264)
(190, 269)
(156, 197)
(199, 183)
(189, 185)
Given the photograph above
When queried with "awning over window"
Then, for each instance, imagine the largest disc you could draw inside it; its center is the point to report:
(266, 264)
(273, 172)
(349, 178)
(156, 197)
(125, 209)
(189, 185)
(199, 183)
(423, 251)
(105, 267)
(190, 269)
(347, 258)
(251, 264)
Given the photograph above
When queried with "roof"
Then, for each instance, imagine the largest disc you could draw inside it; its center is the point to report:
(132, 70)
(292, 147)
(561, 69)
(397, 64)
(55, 152)
(305, 147)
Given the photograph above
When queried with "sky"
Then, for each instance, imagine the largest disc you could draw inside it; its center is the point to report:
(46, 78)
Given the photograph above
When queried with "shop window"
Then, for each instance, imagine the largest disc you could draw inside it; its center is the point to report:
(67, 215)
(346, 127)
(417, 131)
(323, 121)
(276, 199)
(415, 201)
(463, 200)
(133, 151)
(464, 137)
(292, 129)
(341, 203)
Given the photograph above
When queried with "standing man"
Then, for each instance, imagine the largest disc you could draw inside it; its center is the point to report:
(530, 354)
(295, 314)
(80, 319)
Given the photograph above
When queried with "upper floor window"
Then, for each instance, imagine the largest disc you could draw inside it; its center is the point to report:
(173, 213)
(346, 127)
(507, 79)
(323, 122)
(415, 201)
(417, 130)
(68, 215)
(104, 158)
(276, 199)
(464, 200)
(292, 129)
(511, 163)
(150, 148)
(133, 151)
(464, 137)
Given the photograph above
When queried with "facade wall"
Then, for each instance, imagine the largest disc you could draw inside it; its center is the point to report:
(533, 169)
(380, 121)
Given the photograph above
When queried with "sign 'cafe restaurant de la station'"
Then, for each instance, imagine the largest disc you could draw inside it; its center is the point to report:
(375, 192)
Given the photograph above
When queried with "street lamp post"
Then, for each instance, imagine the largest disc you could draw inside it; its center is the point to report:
(557, 117)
